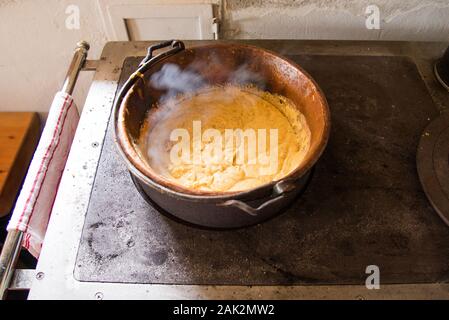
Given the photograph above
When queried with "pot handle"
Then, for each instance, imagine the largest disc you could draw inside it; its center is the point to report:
(279, 191)
(145, 64)
(175, 45)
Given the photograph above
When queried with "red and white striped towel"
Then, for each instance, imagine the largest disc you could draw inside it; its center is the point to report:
(35, 202)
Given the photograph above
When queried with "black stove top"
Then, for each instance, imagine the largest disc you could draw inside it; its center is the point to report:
(364, 204)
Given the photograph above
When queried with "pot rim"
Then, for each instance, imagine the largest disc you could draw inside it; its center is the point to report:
(143, 171)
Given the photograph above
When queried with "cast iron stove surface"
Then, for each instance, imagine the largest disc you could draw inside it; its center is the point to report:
(364, 205)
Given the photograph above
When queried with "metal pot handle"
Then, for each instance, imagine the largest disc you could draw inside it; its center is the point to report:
(279, 191)
(145, 64)
(175, 44)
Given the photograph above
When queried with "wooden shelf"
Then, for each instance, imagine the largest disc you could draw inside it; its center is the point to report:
(19, 135)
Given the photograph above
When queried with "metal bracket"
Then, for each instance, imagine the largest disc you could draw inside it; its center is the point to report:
(90, 65)
(22, 279)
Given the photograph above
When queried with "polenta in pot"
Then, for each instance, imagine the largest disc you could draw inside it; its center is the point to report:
(224, 138)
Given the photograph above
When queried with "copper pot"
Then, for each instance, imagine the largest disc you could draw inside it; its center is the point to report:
(212, 209)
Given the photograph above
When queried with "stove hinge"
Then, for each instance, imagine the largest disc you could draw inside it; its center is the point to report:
(216, 28)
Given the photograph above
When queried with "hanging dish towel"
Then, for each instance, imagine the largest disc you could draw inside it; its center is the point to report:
(35, 202)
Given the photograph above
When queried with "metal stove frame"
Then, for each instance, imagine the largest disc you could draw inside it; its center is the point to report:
(53, 278)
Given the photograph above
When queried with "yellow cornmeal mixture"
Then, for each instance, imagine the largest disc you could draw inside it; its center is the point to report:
(228, 107)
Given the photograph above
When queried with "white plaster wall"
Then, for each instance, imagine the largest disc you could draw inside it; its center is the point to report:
(36, 47)
(419, 20)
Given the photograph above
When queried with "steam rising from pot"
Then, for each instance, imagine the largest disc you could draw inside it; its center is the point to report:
(174, 80)
(244, 76)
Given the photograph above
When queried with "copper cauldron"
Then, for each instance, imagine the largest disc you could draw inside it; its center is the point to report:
(212, 209)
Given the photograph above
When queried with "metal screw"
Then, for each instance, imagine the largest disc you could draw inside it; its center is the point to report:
(99, 296)
(95, 144)
(40, 275)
